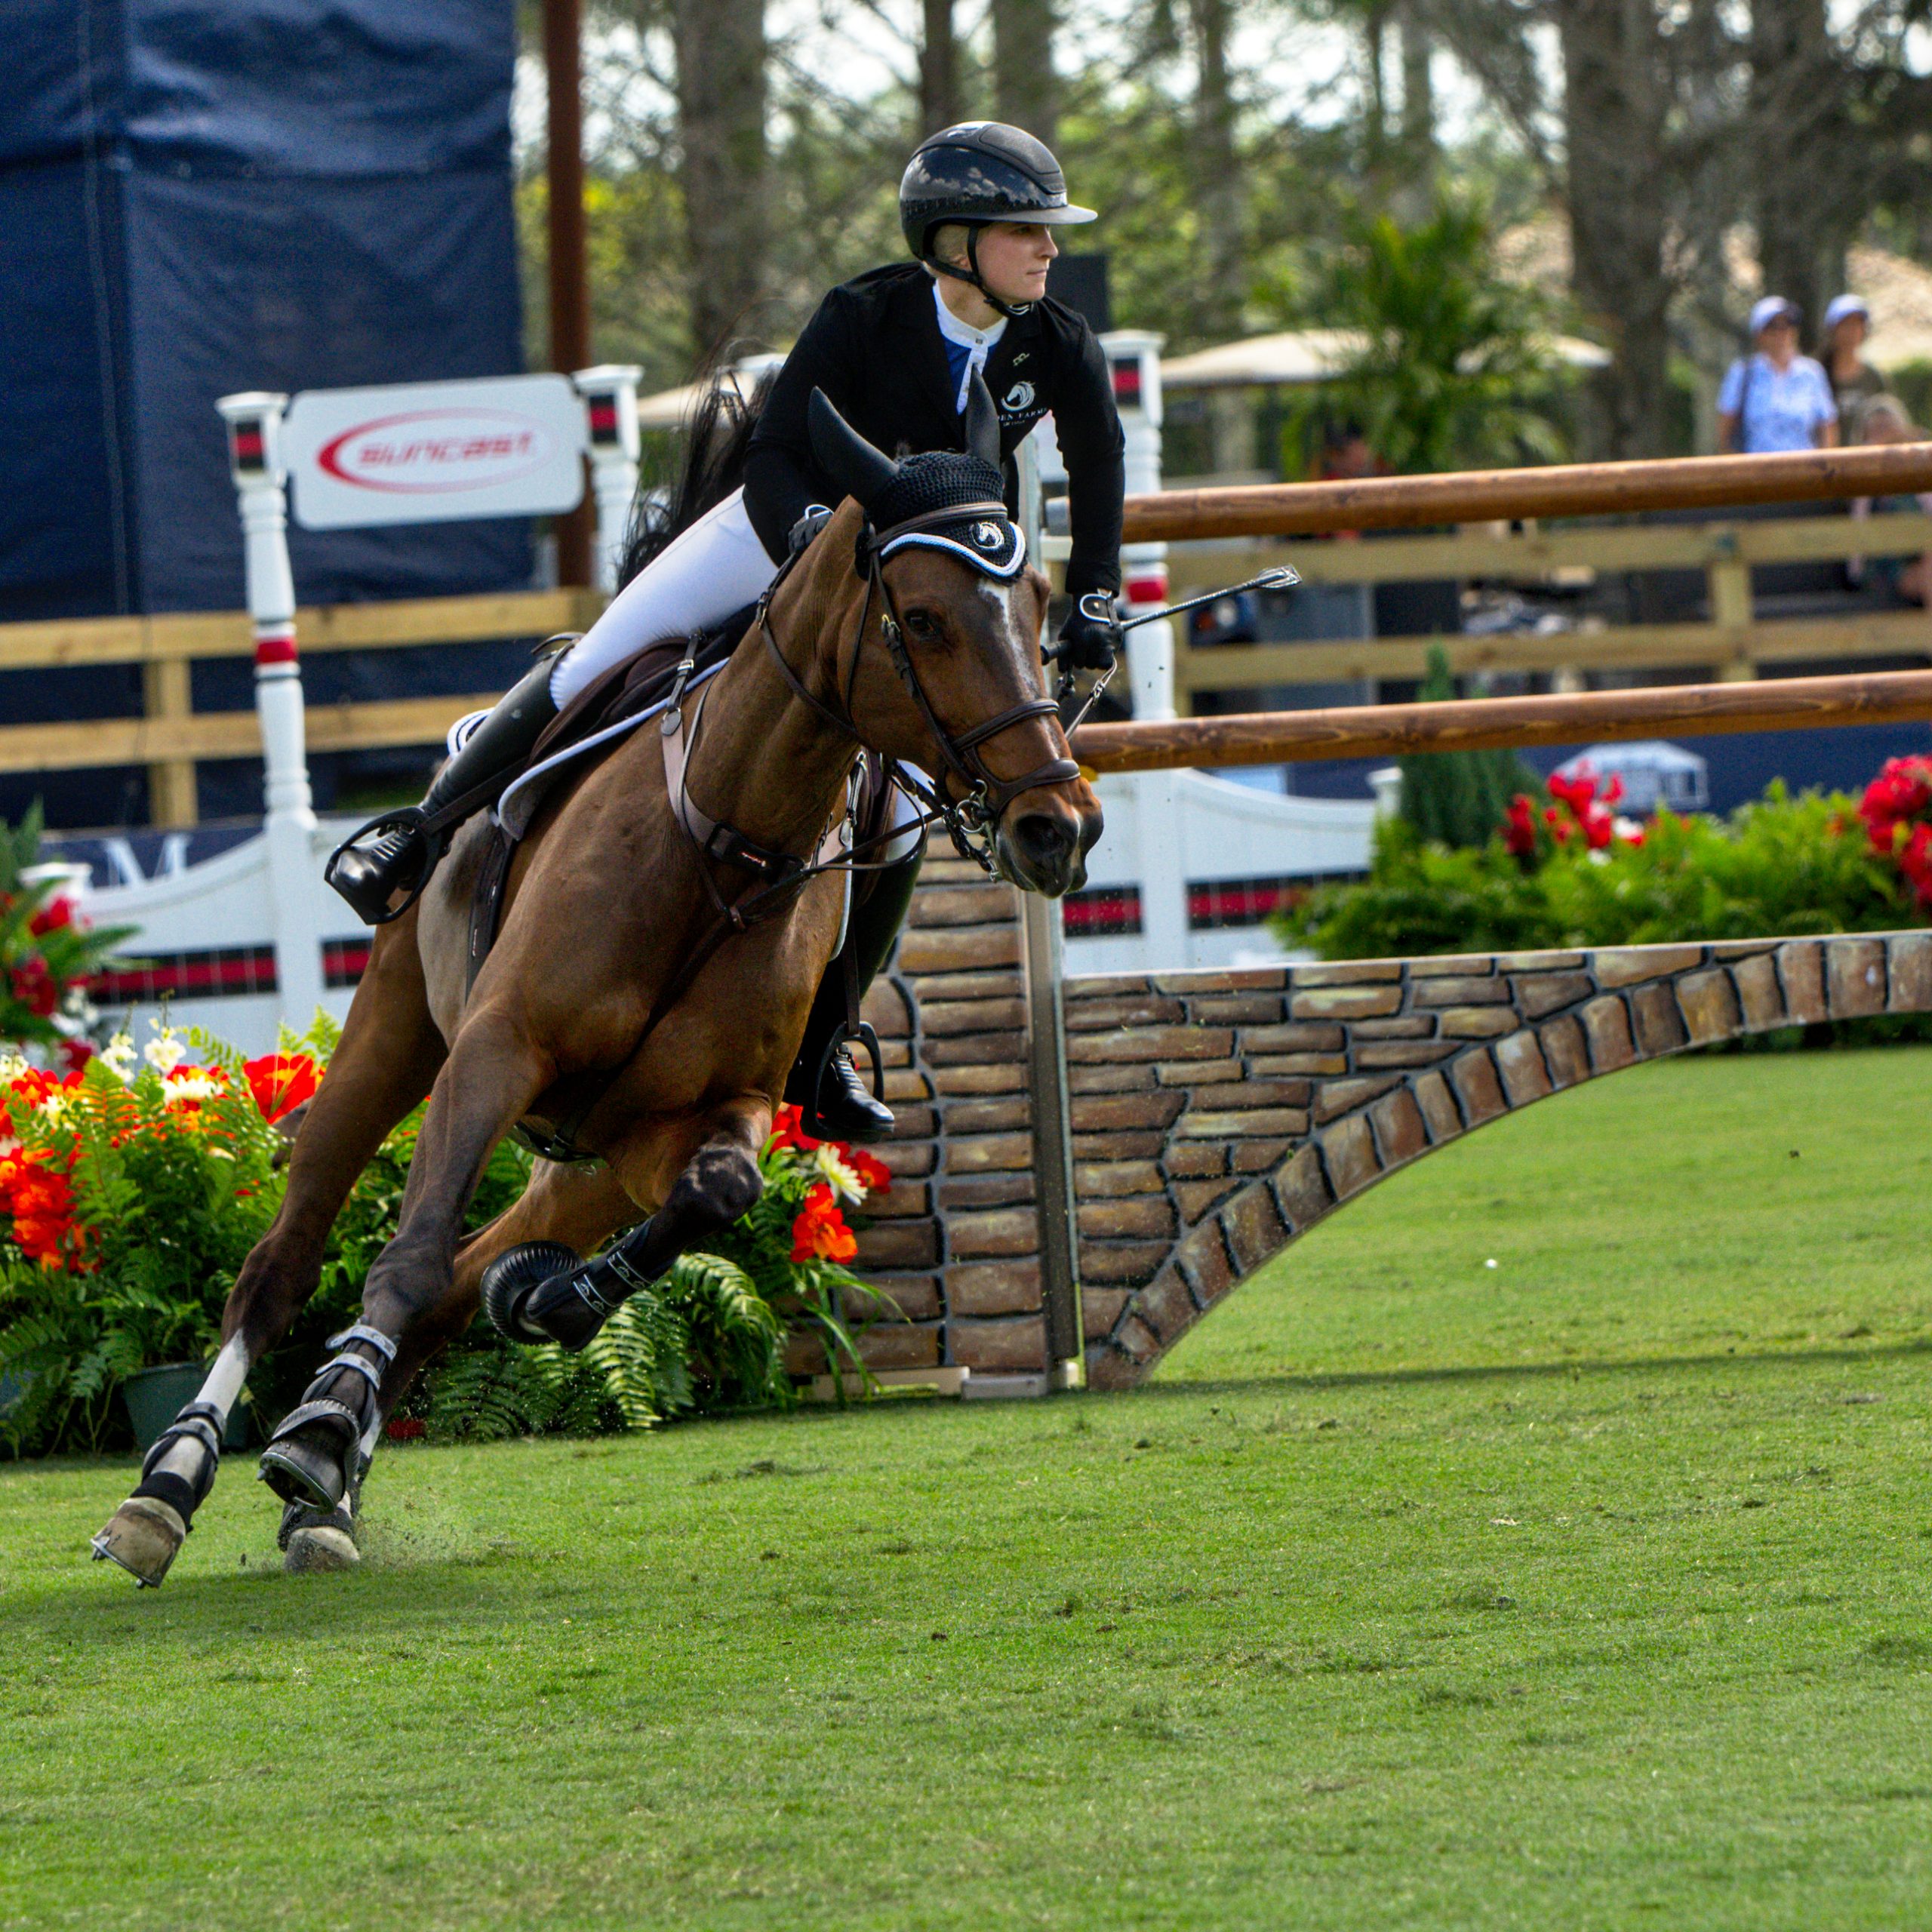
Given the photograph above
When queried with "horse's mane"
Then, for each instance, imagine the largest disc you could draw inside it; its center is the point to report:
(708, 465)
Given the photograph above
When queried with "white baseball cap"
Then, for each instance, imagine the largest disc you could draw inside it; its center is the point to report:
(1771, 309)
(1842, 305)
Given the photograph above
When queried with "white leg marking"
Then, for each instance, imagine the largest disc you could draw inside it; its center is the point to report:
(184, 1456)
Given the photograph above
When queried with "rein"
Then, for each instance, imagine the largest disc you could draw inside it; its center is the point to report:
(782, 875)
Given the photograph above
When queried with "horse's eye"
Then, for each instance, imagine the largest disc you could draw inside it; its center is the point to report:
(922, 623)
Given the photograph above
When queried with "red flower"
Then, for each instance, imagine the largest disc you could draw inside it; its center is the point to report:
(1519, 827)
(785, 1132)
(1598, 827)
(40, 1201)
(76, 1053)
(819, 1232)
(874, 1175)
(56, 913)
(1560, 827)
(281, 1083)
(34, 985)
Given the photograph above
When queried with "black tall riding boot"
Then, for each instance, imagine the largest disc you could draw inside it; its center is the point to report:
(398, 852)
(838, 1104)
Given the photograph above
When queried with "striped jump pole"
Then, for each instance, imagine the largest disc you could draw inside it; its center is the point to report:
(295, 885)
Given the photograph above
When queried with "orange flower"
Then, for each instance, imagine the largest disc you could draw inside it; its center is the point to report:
(820, 1233)
(281, 1083)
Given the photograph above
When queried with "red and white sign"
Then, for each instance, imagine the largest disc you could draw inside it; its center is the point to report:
(435, 452)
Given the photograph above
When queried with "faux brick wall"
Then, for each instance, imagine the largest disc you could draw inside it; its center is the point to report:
(955, 1244)
(1217, 1116)
(1274, 1096)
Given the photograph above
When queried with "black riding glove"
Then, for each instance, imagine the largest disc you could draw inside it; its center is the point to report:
(1088, 643)
(807, 527)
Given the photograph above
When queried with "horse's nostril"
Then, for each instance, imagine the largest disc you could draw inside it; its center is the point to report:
(1044, 840)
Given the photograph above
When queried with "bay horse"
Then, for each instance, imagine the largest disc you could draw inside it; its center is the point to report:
(648, 990)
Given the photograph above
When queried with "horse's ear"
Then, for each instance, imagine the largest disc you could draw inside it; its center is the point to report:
(859, 469)
(982, 421)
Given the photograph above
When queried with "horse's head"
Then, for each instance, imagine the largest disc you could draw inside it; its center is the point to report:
(946, 674)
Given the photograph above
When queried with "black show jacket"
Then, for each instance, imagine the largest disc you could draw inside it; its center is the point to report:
(875, 348)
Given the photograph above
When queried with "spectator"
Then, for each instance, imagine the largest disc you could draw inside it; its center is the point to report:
(1775, 398)
(1883, 418)
(1854, 382)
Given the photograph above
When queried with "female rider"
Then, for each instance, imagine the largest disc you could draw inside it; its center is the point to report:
(895, 351)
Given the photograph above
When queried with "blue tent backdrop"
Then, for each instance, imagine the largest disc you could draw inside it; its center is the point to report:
(198, 196)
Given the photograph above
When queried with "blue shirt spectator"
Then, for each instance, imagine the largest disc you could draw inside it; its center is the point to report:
(1775, 398)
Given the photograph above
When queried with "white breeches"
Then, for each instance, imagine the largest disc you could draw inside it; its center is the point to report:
(715, 567)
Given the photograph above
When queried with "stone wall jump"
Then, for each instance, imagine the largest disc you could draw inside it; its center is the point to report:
(1218, 1115)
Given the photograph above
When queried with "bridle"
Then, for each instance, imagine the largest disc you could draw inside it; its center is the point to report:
(970, 818)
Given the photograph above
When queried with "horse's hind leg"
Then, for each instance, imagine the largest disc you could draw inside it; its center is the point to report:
(388, 1055)
(318, 1455)
(706, 1177)
(574, 1209)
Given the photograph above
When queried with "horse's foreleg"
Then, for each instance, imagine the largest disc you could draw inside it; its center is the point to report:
(388, 1055)
(543, 1292)
(318, 1456)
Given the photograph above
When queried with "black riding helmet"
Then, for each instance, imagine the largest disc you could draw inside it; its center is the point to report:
(978, 172)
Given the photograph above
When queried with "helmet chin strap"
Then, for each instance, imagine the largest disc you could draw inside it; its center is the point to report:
(972, 277)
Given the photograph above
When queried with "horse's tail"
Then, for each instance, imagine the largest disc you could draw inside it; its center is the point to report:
(708, 466)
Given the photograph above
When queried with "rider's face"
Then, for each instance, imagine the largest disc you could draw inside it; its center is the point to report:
(1014, 256)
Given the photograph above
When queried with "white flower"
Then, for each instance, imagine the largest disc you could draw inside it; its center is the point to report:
(12, 1066)
(164, 1052)
(56, 1105)
(196, 1084)
(118, 1057)
(843, 1180)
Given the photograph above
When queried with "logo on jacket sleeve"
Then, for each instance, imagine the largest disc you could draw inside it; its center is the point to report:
(1018, 397)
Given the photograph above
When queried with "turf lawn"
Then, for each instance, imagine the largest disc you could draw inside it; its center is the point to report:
(1589, 1588)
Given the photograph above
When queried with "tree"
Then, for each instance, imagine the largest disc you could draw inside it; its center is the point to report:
(721, 85)
(1459, 798)
(1025, 89)
(1217, 169)
(1455, 369)
(940, 102)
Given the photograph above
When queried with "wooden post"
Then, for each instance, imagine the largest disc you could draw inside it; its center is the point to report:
(166, 693)
(570, 282)
(1728, 577)
(1044, 944)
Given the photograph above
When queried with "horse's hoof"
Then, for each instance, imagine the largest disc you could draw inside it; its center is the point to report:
(325, 1548)
(142, 1536)
(510, 1280)
(299, 1470)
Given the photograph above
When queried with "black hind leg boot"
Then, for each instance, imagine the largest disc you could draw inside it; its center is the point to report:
(837, 1103)
(398, 852)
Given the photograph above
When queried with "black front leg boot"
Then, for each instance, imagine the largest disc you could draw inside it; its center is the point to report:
(397, 852)
(317, 1455)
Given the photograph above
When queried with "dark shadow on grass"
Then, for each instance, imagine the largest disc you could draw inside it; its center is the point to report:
(1575, 1368)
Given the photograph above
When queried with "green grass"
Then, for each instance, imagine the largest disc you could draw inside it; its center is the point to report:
(1588, 1590)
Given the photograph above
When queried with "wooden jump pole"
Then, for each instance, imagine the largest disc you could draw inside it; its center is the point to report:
(1395, 730)
(1559, 490)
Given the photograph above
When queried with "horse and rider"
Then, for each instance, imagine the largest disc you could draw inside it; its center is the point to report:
(680, 935)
